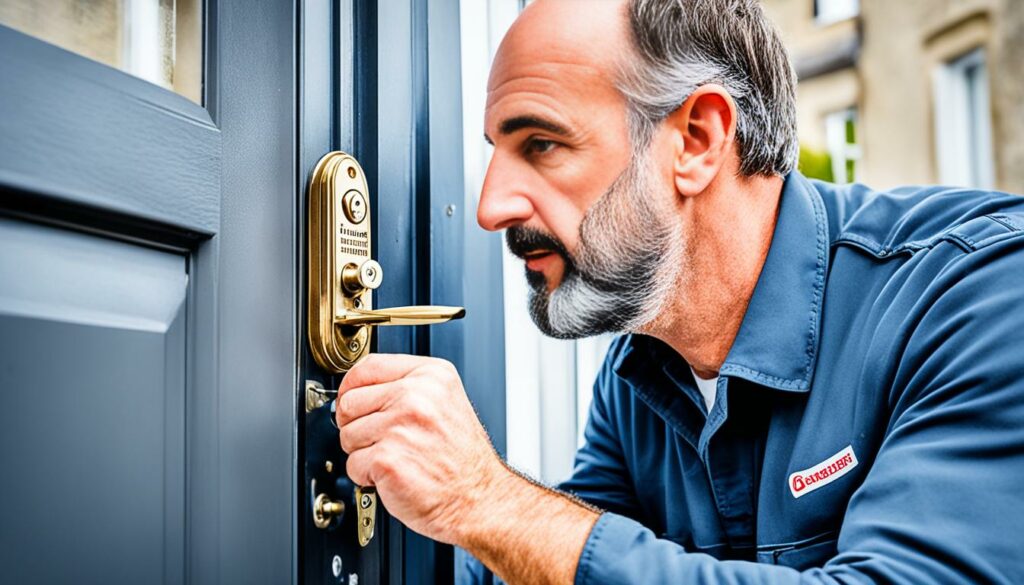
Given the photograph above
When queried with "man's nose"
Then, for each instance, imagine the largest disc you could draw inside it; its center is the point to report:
(503, 198)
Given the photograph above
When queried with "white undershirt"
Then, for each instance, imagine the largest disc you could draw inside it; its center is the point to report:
(708, 389)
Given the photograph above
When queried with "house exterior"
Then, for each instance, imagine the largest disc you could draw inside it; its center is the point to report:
(916, 91)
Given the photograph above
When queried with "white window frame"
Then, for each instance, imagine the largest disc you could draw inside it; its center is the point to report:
(963, 122)
(840, 151)
(148, 45)
(828, 12)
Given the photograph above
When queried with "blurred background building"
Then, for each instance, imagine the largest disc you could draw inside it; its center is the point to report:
(909, 92)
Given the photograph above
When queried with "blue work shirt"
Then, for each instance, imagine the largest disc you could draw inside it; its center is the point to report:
(869, 424)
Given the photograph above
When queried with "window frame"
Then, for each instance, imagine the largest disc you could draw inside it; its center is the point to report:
(835, 15)
(964, 152)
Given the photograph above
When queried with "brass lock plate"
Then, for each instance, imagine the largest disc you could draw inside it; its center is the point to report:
(366, 513)
(341, 274)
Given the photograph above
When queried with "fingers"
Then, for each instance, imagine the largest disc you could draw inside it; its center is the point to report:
(357, 468)
(377, 368)
(362, 401)
(364, 432)
(371, 465)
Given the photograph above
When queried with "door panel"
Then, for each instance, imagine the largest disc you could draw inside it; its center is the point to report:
(92, 422)
(74, 130)
(97, 151)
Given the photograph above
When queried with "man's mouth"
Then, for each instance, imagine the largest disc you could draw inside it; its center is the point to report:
(539, 249)
(537, 259)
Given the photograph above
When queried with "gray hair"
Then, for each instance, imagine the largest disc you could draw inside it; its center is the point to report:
(684, 44)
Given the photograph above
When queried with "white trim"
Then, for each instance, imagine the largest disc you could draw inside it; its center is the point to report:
(963, 127)
(147, 40)
(841, 151)
(828, 12)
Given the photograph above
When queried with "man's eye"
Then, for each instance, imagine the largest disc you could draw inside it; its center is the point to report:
(539, 146)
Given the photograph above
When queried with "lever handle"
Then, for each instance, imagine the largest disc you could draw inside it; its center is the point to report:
(413, 315)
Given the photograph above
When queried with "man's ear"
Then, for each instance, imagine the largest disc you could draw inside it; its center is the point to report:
(704, 135)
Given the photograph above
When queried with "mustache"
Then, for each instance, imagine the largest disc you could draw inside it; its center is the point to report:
(522, 240)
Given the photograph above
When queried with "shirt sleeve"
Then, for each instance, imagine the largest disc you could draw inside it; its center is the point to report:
(944, 500)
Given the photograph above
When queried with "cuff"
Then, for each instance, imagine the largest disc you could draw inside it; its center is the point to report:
(610, 552)
(620, 550)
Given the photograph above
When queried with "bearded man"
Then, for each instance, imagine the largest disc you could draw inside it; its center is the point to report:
(817, 384)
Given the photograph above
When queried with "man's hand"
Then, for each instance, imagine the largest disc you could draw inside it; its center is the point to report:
(410, 430)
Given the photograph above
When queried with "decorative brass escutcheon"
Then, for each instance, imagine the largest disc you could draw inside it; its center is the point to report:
(342, 274)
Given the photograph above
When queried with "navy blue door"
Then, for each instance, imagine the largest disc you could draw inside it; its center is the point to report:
(148, 337)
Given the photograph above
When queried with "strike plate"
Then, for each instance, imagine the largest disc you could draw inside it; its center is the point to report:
(366, 513)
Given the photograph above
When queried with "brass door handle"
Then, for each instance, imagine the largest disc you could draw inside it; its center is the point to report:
(414, 315)
(368, 276)
(342, 275)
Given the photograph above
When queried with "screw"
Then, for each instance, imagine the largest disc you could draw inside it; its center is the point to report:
(353, 345)
(352, 172)
(365, 501)
(336, 566)
(450, 210)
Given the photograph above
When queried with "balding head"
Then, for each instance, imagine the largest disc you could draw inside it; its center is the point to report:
(559, 64)
(582, 33)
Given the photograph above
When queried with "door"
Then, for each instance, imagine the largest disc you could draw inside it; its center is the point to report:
(147, 305)
(153, 341)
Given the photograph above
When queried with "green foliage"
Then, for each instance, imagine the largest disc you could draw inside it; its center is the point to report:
(816, 164)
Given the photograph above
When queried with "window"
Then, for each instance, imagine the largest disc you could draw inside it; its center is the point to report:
(830, 11)
(963, 126)
(157, 40)
(845, 153)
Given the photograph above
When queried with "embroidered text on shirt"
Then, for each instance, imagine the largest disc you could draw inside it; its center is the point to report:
(822, 474)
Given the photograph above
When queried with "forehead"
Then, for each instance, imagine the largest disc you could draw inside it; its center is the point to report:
(561, 56)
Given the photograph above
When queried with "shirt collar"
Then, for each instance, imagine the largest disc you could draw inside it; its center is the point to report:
(777, 344)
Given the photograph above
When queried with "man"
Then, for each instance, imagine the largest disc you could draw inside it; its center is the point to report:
(819, 384)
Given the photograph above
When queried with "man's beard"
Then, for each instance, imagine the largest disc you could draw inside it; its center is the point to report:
(626, 265)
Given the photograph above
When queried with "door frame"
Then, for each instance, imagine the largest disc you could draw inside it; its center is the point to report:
(401, 117)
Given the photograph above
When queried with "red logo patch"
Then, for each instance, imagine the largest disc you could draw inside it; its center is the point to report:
(822, 474)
